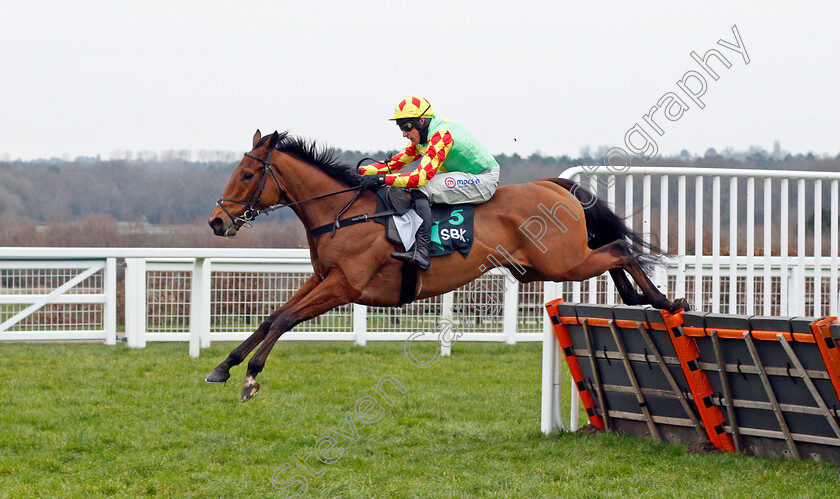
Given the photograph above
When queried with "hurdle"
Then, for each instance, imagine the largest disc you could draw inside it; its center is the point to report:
(765, 386)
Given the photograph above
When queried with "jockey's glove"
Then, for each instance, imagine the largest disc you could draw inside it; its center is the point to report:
(371, 181)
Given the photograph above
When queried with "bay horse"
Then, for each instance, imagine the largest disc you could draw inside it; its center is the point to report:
(353, 264)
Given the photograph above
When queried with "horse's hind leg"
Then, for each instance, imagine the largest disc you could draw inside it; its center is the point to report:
(650, 293)
(625, 288)
(617, 256)
(222, 372)
(632, 297)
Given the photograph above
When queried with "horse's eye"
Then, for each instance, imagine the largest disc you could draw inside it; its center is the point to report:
(247, 176)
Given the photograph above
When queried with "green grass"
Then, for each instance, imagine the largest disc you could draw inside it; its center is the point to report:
(91, 420)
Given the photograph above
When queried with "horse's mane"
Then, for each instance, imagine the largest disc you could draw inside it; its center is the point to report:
(323, 157)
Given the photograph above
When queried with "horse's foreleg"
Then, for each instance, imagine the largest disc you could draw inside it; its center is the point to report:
(329, 294)
(222, 372)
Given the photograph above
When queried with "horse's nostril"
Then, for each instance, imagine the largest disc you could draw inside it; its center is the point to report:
(216, 224)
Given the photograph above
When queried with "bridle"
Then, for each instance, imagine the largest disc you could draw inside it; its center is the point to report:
(251, 212)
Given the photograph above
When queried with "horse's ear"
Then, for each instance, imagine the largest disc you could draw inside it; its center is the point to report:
(257, 137)
(273, 140)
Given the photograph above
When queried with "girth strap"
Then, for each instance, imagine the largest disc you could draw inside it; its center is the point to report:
(346, 222)
(408, 277)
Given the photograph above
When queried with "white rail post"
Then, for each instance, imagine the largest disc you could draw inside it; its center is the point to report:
(510, 310)
(682, 222)
(786, 296)
(833, 285)
(768, 246)
(698, 245)
(594, 282)
(360, 324)
(800, 290)
(647, 227)
(200, 306)
(716, 244)
(733, 245)
(574, 395)
(110, 312)
(818, 248)
(446, 339)
(647, 223)
(547, 405)
(135, 302)
(130, 302)
(611, 202)
(661, 273)
(750, 283)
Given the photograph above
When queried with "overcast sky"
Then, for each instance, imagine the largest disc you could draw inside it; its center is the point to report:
(96, 77)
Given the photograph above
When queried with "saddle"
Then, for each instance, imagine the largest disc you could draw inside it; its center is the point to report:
(397, 201)
(451, 225)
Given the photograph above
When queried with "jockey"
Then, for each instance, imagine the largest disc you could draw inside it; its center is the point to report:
(454, 168)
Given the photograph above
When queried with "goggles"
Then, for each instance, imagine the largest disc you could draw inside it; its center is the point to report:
(406, 126)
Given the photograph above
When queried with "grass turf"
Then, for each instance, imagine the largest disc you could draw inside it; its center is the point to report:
(93, 420)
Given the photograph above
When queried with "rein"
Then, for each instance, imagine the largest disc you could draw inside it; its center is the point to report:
(251, 212)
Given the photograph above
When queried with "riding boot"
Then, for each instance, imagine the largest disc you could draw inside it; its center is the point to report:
(420, 255)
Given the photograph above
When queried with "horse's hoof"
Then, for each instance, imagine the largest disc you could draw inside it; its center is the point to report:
(681, 303)
(218, 375)
(249, 391)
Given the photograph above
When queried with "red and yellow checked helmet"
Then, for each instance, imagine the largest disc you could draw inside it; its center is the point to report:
(413, 106)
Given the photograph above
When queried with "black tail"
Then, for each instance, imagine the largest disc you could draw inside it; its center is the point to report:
(604, 226)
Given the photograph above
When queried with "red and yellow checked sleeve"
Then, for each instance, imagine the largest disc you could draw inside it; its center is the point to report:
(439, 146)
(399, 160)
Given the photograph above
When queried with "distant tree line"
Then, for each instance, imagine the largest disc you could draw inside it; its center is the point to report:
(91, 202)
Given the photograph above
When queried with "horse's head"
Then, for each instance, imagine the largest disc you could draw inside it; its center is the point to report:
(253, 186)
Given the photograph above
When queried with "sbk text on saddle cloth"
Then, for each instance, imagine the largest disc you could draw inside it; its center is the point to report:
(452, 229)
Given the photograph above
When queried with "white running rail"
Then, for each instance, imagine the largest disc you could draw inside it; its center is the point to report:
(769, 249)
(204, 295)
